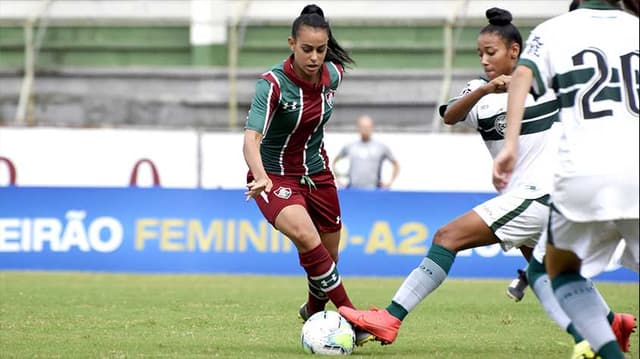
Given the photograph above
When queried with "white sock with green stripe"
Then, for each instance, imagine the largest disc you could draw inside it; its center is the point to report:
(582, 303)
(541, 286)
(423, 280)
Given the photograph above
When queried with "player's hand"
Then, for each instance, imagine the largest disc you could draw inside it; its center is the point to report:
(257, 187)
(503, 167)
(499, 84)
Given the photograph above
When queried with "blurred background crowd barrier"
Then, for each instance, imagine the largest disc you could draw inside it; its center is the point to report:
(188, 158)
(194, 63)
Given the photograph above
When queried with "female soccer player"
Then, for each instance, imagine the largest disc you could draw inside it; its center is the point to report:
(514, 219)
(595, 194)
(289, 174)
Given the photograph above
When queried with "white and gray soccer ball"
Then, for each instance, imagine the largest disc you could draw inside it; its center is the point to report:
(327, 333)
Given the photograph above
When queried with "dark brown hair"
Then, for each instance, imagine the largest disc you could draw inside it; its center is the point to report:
(500, 23)
(312, 15)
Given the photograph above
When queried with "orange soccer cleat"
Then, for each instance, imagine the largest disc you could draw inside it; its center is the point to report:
(378, 322)
(623, 325)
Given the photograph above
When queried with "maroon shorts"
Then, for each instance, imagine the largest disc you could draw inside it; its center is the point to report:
(321, 201)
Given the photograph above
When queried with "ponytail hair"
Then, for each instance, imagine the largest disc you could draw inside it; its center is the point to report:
(500, 23)
(312, 15)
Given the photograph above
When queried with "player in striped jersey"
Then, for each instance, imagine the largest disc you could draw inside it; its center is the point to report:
(514, 219)
(593, 72)
(289, 175)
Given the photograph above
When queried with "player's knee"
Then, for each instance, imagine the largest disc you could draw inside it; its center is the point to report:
(444, 237)
(304, 238)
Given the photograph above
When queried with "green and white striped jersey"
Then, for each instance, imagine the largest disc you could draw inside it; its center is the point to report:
(291, 113)
(593, 69)
(533, 173)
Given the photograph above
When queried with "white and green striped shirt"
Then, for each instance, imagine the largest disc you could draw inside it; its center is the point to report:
(532, 176)
(593, 69)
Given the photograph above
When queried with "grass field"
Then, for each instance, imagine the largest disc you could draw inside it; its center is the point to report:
(86, 315)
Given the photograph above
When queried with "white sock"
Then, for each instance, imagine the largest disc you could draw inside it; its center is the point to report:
(605, 306)
(583, 305)
(419, 284)
(544, 292)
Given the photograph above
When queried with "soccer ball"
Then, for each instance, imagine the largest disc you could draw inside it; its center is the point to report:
(327, 333)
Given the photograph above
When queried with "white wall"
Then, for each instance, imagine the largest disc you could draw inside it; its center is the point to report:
(97, 157)
(433, 162)
(105, 157)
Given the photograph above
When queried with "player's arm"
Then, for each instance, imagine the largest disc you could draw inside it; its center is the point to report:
(260, 114)
(506, 160)
(394, 172)
(395, 168)
(251, 151)
(458, 110)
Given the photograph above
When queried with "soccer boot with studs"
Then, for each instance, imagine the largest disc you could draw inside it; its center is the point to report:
(516, 289)
(378, 322)
(623, 325)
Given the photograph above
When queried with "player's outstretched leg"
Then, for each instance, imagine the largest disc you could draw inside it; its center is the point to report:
(423, 280)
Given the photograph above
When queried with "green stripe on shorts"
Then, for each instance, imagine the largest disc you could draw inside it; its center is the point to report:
(511, 215)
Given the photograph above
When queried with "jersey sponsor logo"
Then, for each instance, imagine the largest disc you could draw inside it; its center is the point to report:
(533, 47)
(329, 97)
(283, 192)
(500, 124)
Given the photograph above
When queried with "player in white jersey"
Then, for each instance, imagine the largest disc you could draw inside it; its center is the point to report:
(593, 72)
(515, 218)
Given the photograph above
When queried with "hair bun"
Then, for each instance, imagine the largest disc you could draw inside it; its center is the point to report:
(312, 9)
(499, 17)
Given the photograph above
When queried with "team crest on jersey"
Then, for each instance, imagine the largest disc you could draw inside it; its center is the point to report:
(329, 96)
(283, 192)
(500, 124)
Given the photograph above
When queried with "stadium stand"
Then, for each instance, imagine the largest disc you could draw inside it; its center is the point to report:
(170, 64)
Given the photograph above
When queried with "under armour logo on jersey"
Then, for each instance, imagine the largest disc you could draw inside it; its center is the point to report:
(338, 220)
(290, 105)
